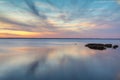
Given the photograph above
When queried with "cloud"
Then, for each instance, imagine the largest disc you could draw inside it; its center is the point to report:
(34, 9)
(118, 1)
(32, 6)
(62, 17)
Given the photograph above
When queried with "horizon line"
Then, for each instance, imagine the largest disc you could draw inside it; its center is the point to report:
(59, 38)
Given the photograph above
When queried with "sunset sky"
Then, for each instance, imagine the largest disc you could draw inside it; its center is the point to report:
(59, 18)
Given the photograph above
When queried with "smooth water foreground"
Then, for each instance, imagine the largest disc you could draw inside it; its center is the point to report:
(57, 59)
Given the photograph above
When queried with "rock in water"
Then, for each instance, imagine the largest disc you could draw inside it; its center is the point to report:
(115, 46)
(96, 46)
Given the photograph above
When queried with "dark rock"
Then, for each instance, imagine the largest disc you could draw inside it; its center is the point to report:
(115, 46)
(108, 45)
(96, 46)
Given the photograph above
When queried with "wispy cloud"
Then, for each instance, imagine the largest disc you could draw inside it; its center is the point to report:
(60, 18)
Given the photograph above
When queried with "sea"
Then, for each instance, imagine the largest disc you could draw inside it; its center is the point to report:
(58, 59)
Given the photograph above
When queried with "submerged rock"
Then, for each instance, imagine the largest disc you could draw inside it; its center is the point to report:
(115, 46)
(98, 46)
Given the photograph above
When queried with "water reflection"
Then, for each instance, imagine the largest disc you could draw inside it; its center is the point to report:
(64, 62)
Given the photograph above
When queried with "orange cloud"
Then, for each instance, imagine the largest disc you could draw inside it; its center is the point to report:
(21, 33)
(12, 30)
(87, 24)
(5, 25)
(24, 34)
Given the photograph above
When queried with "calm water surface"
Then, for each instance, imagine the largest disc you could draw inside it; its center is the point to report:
(57, 59)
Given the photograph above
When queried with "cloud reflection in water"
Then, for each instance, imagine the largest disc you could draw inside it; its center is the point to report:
(65, 62)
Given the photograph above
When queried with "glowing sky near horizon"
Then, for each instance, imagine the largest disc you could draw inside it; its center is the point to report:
(60, 18)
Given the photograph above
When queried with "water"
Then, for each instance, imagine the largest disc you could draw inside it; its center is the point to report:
(58, 59)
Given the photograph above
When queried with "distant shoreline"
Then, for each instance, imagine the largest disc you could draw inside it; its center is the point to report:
(67, 38)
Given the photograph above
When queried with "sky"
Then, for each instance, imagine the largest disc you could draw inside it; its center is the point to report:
(59, 18)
